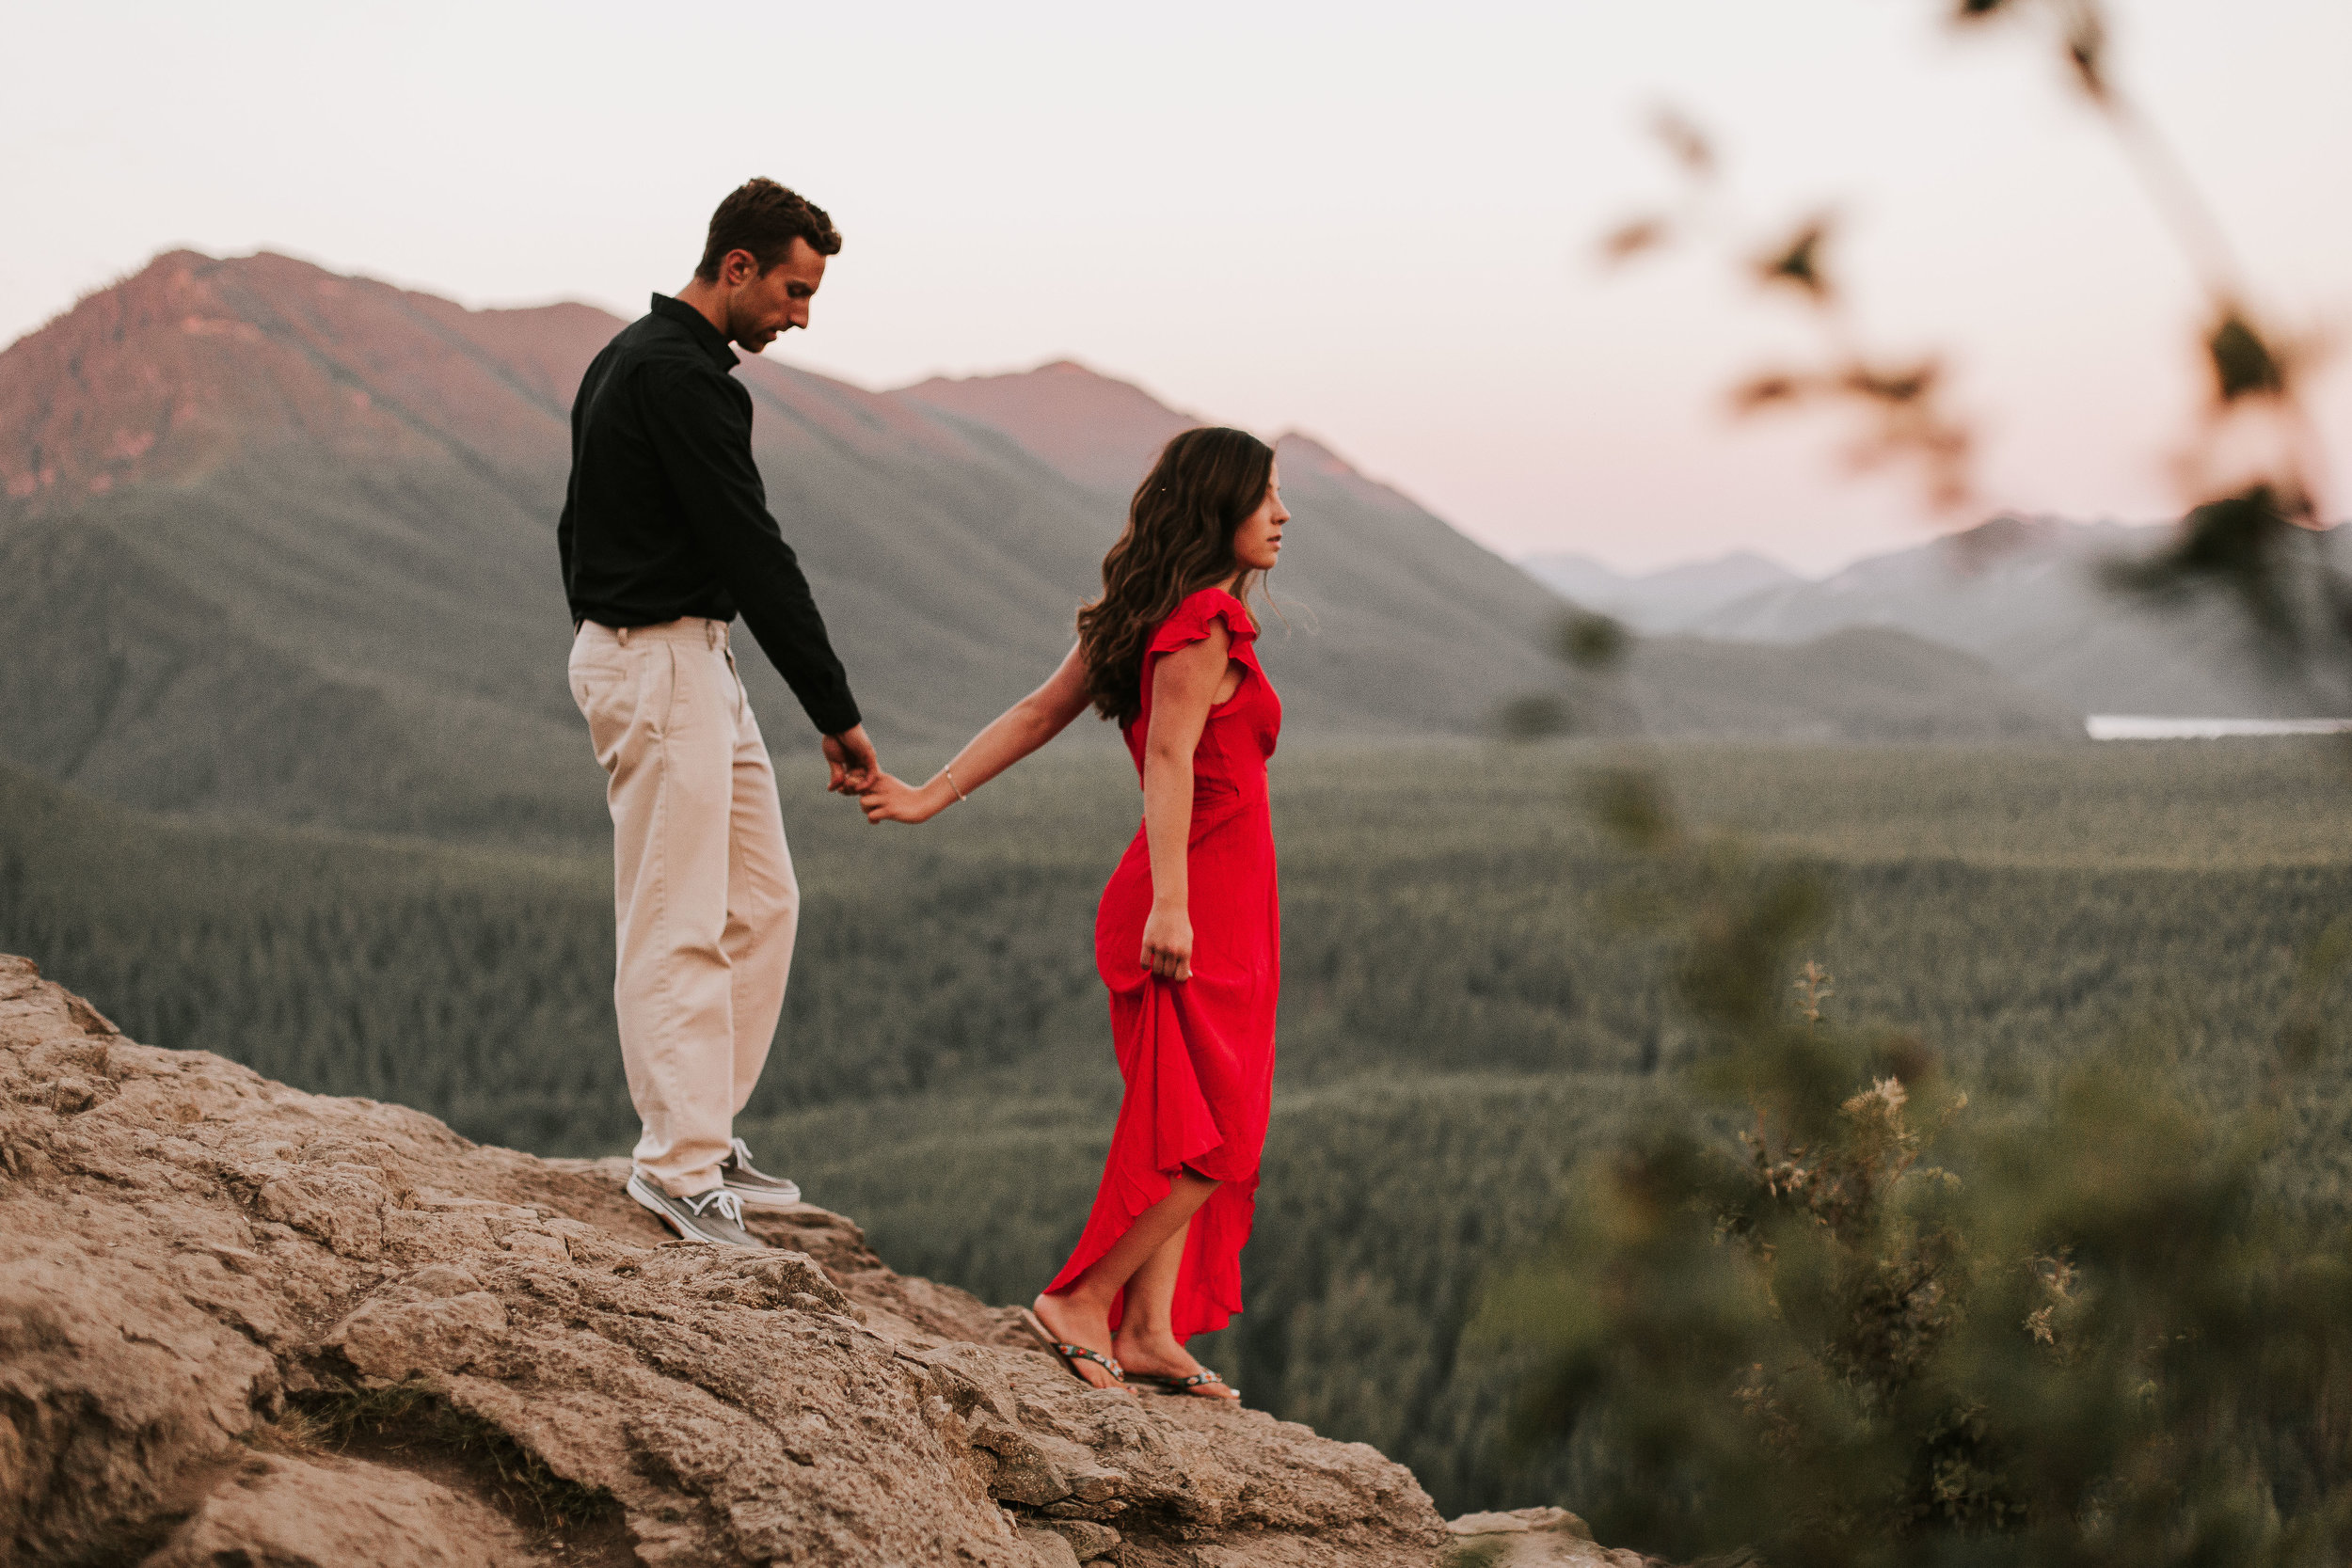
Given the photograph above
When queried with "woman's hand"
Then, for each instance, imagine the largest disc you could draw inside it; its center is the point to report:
(1167, 943)
(894, 799)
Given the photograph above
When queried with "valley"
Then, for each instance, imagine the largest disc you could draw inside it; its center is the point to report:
(1470, 1003)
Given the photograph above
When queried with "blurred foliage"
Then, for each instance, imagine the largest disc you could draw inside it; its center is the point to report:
(2229, 542)
(2091, 1330)
(1537, 716)
(1900, 404)
(2251, 466)
(1590, 647)
(2088, 1332)
(1590, 641)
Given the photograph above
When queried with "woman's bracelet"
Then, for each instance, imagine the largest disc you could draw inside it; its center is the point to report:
(949, 774)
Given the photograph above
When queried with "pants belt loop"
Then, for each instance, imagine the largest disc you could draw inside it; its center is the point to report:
(623, 634)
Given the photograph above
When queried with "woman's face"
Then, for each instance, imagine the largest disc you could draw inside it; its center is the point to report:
(1258, 540)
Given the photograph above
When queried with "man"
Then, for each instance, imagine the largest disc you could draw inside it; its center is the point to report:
(665, 536)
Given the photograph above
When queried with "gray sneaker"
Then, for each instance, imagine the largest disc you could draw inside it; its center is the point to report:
(714, 1216)
(752, 1187)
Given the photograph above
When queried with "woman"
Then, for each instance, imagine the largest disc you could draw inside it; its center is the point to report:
(1187, 934)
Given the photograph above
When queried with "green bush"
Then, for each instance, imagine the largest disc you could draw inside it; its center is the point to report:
(1831, 1310)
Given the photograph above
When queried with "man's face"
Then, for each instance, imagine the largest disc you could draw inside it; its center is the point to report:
(762, 305)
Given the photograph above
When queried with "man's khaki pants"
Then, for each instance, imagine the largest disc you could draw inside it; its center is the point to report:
(702, 891)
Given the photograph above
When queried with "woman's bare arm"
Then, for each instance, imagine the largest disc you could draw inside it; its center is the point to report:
(1021, 729)
(1185, 684)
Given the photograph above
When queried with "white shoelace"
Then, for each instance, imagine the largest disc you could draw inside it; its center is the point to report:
(729, 1206)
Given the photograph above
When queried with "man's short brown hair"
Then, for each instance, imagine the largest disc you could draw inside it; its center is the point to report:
(764, 218)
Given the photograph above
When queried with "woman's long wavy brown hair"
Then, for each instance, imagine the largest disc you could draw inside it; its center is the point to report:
(1179, 540)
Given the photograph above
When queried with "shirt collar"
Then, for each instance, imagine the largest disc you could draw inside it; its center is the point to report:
(698, 326)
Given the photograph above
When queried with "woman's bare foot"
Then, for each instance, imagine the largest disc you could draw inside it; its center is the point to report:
(1072, 1321)
(1159, 1353)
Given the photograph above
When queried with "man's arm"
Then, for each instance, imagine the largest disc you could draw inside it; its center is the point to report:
(564, 528)
(703, 434)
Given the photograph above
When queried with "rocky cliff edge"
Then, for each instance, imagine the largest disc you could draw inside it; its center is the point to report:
(243, 1324)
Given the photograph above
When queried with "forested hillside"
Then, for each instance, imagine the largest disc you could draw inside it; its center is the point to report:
(1465, 1009)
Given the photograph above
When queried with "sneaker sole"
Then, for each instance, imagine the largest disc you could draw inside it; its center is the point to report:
(763, 1197)
(640, 1190)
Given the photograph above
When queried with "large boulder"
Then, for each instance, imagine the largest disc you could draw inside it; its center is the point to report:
(1533, 1538)
(243, 1324)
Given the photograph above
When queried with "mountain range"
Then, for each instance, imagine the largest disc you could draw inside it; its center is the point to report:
(1872, 685)
(2026, 595)
(1674, 599)
(278, 542)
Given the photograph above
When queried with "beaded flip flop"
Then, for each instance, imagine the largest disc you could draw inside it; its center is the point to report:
(1071, 1355)
(1200, 1379)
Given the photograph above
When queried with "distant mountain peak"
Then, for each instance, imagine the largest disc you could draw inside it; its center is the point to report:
(1754, 560)
(1104, 433)
(1303, 455)
(1674, 598)
(196, 360)
(1297, 443)
(1097, 430)
(2024, 592)
(1064, 369)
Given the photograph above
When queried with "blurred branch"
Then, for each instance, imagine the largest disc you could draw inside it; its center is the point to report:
(2090, 1334)
(2252, 468)
(2080, 29)
(1902, 407)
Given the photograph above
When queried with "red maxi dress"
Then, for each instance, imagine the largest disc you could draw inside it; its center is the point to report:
(1197, 1055)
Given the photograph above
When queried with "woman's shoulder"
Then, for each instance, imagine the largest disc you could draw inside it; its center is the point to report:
(1191, 621)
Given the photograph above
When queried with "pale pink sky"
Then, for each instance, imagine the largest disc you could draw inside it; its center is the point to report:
(1369, 221)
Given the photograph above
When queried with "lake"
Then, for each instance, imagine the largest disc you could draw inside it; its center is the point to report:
(2119, 726)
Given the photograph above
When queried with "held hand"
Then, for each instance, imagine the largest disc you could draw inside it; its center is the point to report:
(851, 757)
(1168, 944)
(894, 799)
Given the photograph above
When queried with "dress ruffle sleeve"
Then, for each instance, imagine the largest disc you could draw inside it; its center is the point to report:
(1195, 618)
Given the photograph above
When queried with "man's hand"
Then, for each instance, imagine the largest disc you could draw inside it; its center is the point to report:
(851, 756)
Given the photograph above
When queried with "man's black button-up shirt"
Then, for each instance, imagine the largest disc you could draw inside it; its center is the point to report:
(666, 515)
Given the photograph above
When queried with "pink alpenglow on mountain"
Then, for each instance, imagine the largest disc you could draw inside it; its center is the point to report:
(1096, 430)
